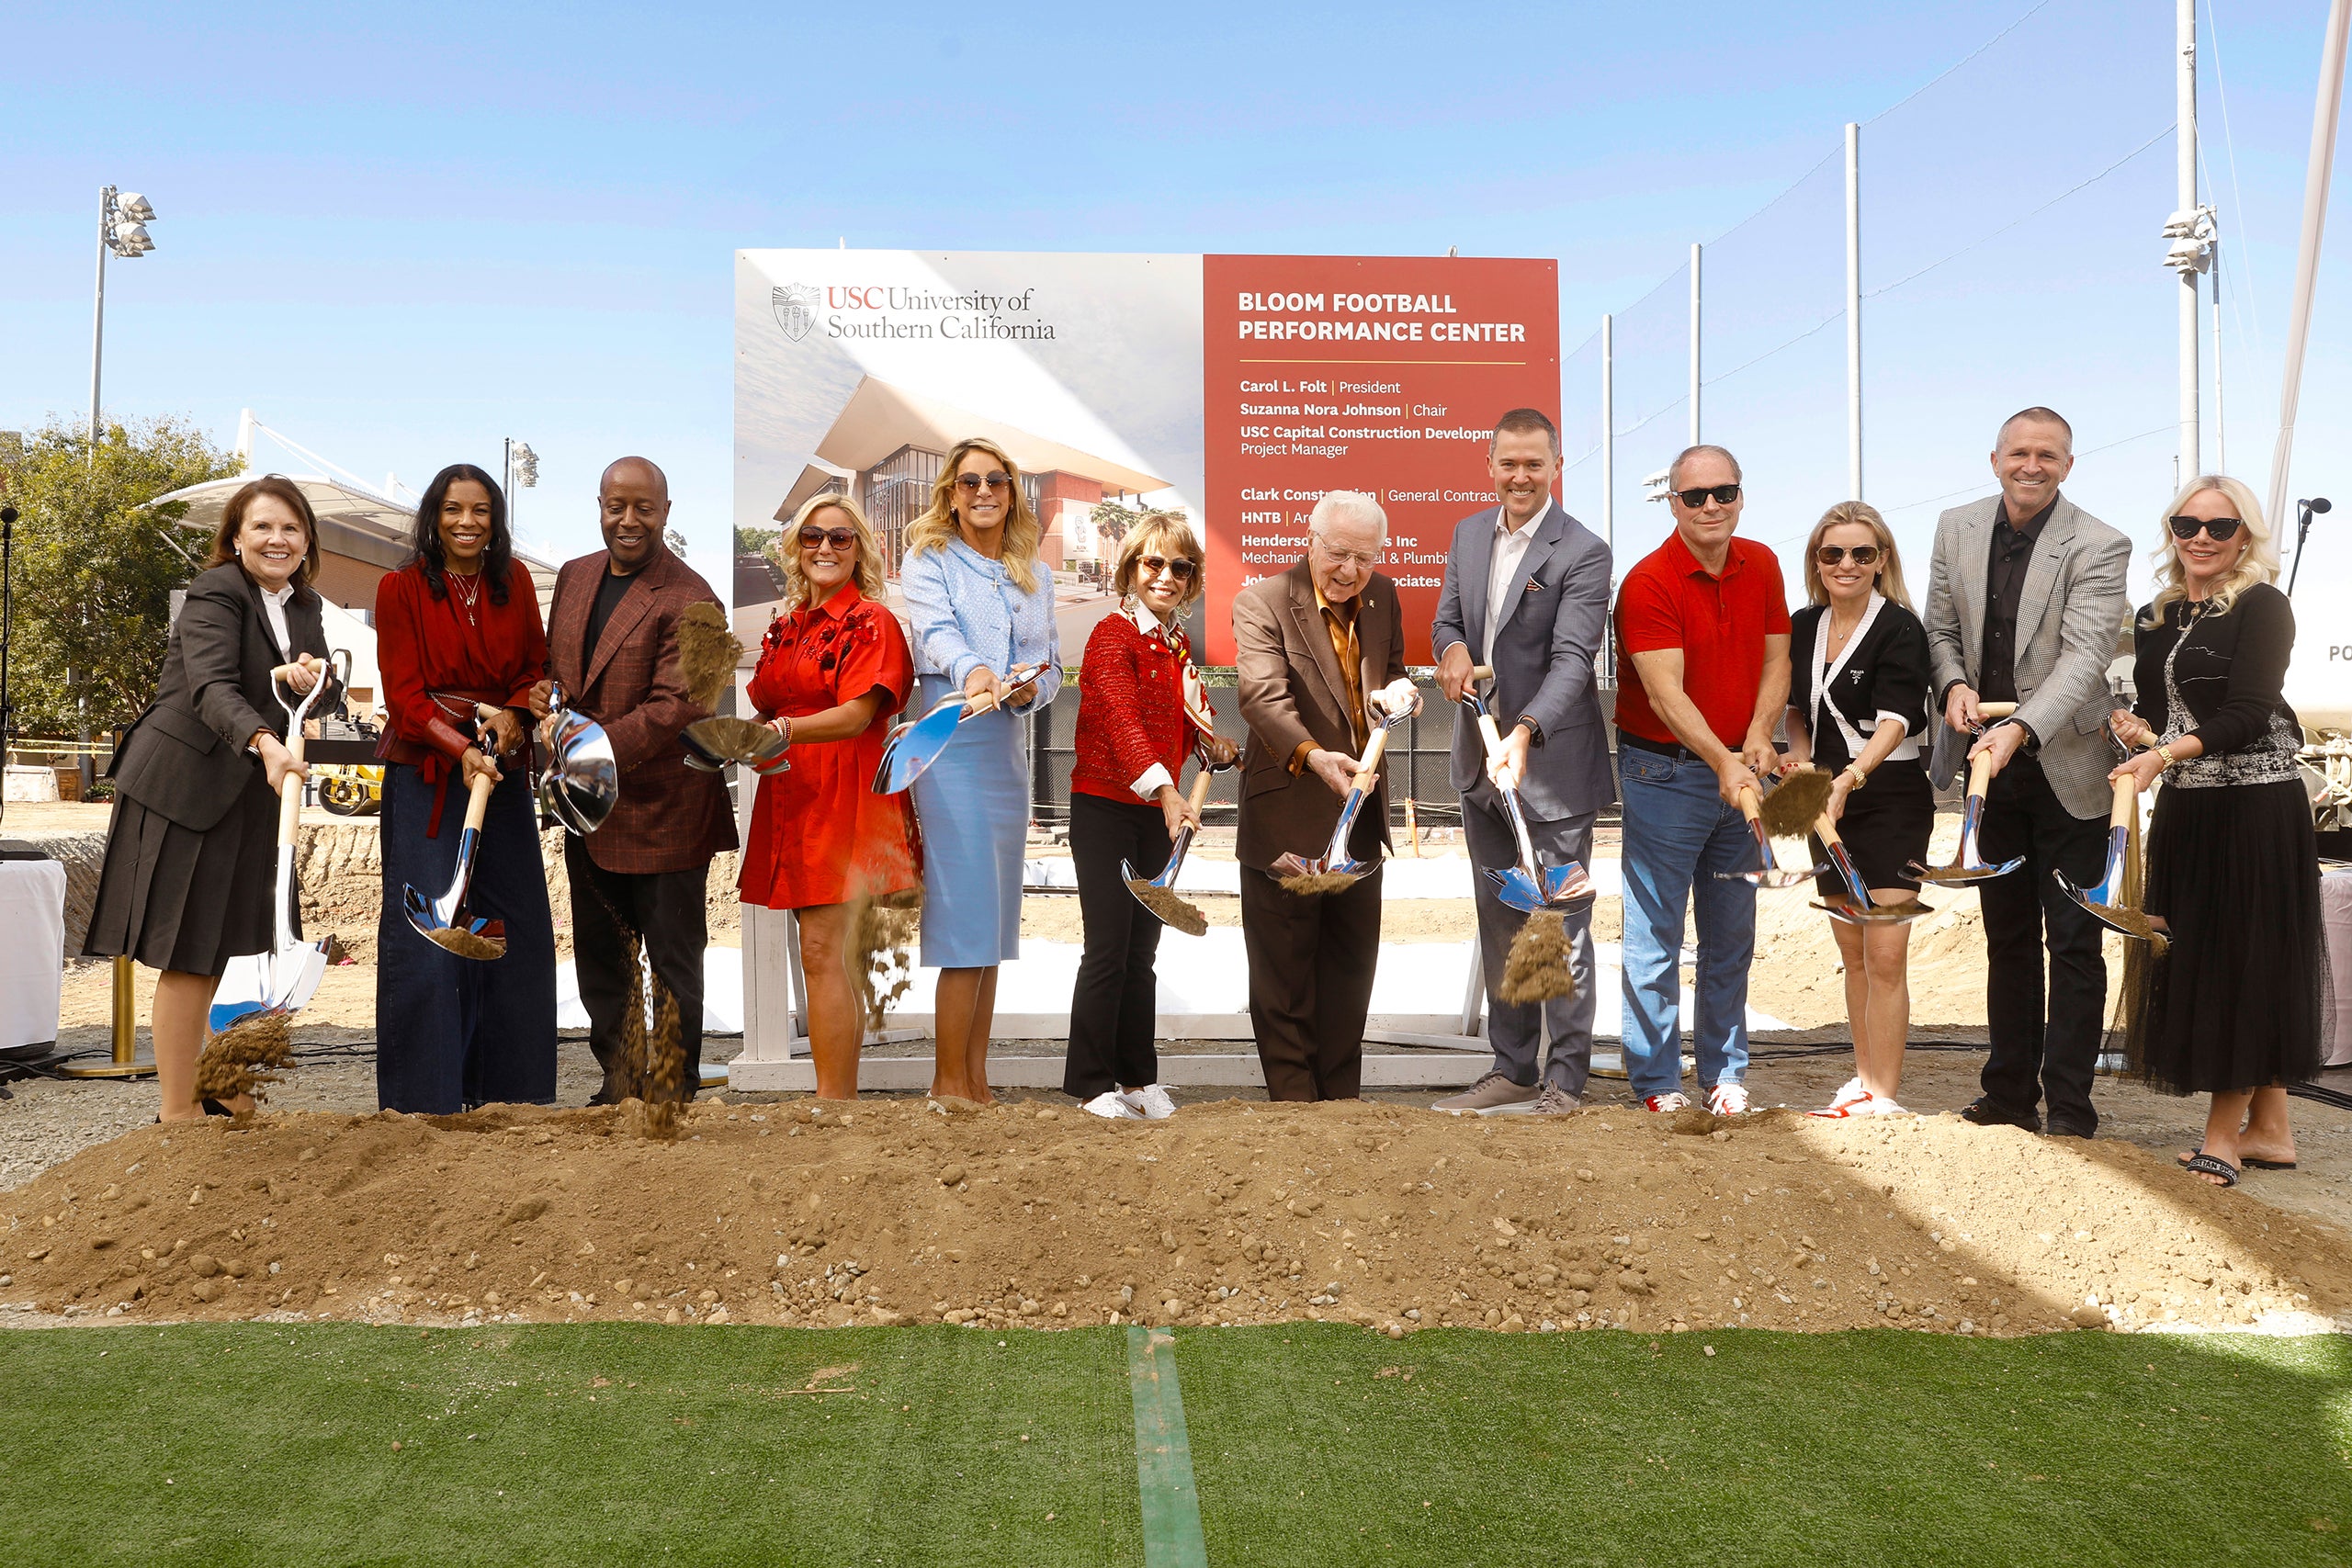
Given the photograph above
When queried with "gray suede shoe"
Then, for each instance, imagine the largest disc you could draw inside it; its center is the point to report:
(1551, 1101)
(1492, 1092)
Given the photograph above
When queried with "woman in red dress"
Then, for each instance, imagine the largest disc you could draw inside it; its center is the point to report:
(833, 670)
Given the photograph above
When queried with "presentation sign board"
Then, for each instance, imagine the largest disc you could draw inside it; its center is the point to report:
(1235, 389)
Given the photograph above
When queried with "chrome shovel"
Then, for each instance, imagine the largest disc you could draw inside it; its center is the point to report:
(1526, 886)
(913, 748)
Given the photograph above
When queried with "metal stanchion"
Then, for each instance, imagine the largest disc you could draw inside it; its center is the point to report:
(127, 1063)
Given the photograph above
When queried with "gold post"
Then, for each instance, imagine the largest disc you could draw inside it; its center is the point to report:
(127, 1063)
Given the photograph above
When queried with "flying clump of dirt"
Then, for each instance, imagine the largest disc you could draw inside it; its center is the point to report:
(881, 956)
(1536, 967)
(241, 1058)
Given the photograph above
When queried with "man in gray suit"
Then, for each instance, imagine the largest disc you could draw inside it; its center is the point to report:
(1527, 591)
(2025, 602)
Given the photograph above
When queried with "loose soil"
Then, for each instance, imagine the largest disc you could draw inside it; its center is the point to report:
(1388, 1216)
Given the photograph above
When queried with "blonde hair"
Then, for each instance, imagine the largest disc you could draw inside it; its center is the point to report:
(868, 575)
(1173, 535)
(1890, 561)
(937, 528)
(2258, 562)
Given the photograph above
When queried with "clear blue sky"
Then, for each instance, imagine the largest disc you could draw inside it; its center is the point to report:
(405, 232)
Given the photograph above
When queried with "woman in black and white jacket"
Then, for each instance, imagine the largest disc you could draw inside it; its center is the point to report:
(1857, 707)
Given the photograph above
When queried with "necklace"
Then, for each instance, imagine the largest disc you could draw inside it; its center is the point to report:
(468, 597)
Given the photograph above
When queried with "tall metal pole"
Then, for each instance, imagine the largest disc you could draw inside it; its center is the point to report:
(1853, 310)
(98, 315)
(1609, 481)
(2316, 178)
(1609, 432)
(1695, 343)
(2221, 421)
(2192, 455)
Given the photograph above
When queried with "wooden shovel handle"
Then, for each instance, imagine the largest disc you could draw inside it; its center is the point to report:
(1996, 710)
(1368, 770)
(2126, 797)
(1824, 830)
(478, 801)
(1482, 672)
(1980, 772)
(1200, 795)
(1751, 804)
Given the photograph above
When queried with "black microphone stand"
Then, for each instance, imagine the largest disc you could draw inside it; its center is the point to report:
(2303, 534)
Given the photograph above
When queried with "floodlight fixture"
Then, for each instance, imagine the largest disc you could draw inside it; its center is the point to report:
(134, 207)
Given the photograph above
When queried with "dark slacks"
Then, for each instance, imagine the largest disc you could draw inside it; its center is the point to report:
(455, 1033)
(664, 908)
(1311, 961)
(1116, 998)
(1517, 1028)
(2039, 1054)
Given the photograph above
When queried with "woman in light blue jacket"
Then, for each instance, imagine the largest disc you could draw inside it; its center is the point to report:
(982, 606)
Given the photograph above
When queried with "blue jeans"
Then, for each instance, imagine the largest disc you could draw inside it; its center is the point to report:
(1678, 834)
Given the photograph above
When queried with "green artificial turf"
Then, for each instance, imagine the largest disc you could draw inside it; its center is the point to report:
(1866, 1448)
(1309, 1445)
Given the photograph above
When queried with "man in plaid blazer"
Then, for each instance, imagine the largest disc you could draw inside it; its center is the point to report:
(613, 646)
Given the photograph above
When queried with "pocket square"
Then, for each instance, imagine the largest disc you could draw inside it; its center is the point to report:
(1536, 585)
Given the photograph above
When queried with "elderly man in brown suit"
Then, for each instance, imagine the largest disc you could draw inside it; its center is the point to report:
(1320, 652)
(613, 646)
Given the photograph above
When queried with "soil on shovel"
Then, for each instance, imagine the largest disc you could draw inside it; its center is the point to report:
(1232, 1212)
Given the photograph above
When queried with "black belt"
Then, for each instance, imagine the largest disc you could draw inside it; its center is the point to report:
(1680, 754)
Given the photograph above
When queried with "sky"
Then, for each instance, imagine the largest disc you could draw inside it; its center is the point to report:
(401, 234)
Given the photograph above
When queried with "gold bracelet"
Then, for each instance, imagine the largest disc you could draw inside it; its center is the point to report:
(1860, 777)
(2165, 752)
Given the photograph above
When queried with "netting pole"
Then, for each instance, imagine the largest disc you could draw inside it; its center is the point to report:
(2185, 145)
(1854, 310)
(2317, 177)
(1695, 343)
(1608, 479)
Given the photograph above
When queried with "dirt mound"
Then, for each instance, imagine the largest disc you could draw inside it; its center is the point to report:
(1232, 1212)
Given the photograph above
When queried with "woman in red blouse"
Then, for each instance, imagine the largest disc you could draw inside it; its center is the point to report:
(1141, 712)
(833, 670)
(460, 625)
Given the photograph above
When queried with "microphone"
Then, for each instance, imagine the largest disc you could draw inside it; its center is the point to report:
(2316, 505)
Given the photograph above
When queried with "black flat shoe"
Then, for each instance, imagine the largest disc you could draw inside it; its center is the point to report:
(1982, 1113)
(214, 1107)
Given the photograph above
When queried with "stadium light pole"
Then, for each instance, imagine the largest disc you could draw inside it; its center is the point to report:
(1854, 310)
(1609, 479)
(123, 218)
(522, 470)
(1694, 343)
(2317, 176)
(2190, 229)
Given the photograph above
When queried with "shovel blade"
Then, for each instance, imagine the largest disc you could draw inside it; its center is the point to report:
(1518, 890)
(1294, 864)
(1960, 875)
(284, 981)
(1848, 912)
(1567, 884)
(912, 750)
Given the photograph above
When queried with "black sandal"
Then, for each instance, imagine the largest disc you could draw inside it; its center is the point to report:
(2202, 1164)
(2246, 1160)
(214, 1107)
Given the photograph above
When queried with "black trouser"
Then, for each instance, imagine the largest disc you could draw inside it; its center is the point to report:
(665, 910)
(2036, 1055)
(1311, 961)
(1117, 1000)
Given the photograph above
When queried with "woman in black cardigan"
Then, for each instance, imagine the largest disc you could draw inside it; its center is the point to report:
(192, 845)
(2238, 1006)
(1857, 707)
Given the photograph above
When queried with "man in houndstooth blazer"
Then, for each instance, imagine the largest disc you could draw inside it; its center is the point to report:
(2025, 603)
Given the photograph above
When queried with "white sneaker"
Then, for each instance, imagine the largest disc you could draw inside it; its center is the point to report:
(1875, 1105)
(1852, 1091)
(1111, 1106)
(1152, 1102)
(1728, 1099)
(1666, 1104)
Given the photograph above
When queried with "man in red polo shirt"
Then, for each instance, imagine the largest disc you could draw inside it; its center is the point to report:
(1704, 622)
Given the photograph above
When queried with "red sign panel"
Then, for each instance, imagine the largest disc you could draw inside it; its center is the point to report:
(1378, 373)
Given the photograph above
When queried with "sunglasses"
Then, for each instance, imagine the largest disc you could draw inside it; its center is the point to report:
(2222, 529)
(840, 538)
(1694, 499)
(1830, 555)
(971, 483)
(1180, 568)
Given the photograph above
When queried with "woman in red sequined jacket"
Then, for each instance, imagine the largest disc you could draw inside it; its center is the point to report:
(834, 668)
(1141, 712)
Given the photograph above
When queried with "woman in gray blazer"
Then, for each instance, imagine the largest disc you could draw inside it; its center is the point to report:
(191, 848)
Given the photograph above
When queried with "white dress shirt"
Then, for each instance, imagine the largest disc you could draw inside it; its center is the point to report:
(1502, 578)
(274, 606)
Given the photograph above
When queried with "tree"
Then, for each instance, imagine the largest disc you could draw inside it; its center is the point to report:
(94, 569)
